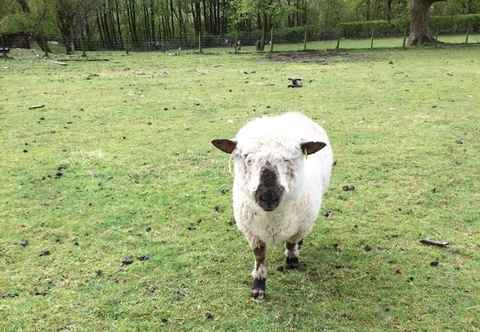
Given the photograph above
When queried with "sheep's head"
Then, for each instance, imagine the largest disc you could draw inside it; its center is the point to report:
(268, 171)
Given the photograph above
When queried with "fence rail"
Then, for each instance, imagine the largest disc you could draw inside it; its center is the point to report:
(249, 42)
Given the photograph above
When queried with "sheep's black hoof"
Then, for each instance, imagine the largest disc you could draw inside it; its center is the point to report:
(294, 264)
(258, 289)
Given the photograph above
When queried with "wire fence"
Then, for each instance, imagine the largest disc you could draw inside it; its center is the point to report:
(252, 42)
(226, 44)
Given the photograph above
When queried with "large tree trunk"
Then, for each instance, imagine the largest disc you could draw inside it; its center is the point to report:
(419, 20)
(387, 9)
(24, 5)
(66, 12)
(119, 27)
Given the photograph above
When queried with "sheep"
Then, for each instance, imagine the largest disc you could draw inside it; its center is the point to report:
(282, 167)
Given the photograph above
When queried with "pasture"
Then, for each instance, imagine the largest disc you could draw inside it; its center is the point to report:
(115, 210)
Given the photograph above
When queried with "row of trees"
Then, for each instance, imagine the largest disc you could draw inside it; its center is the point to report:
(119, 23)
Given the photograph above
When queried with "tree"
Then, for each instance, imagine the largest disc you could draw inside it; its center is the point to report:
(266, 12)
(419, 22)
(387, 9)
(38, 22)
(86, 10)
(66, 11)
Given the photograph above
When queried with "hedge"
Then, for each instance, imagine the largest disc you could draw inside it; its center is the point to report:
(445, 24)
(285, 35)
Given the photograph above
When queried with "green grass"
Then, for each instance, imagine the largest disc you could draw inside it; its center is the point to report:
(131, 137)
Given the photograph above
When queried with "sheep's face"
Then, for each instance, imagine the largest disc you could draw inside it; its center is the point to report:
(268, 173)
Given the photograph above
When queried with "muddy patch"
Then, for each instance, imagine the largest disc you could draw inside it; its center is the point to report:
(321, 57)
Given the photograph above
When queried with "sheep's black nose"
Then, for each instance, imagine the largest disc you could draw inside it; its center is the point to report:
(268, 199)
(269, 193)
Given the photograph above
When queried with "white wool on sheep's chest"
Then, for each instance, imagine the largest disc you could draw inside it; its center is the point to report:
(277, 140)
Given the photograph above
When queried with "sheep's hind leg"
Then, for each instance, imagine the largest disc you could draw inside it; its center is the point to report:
(292, 252)
(259, 273)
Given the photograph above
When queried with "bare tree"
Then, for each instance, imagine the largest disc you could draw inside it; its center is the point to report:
(66, 11)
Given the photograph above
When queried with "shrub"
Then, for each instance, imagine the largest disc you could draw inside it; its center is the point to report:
(445, 24)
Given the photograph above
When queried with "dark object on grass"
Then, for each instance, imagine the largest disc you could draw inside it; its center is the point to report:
(367, 248)
(209, 316)
(34, 107)
(295, 83)
(224, 191)
(438, 243)
(143, 258)
(8, 295)
(328, 214)
(90, 76)
(24, 243)
(60, 170)
(4, 51)
(127, 260)
(434, 263)
(44, 253)
(349, 187)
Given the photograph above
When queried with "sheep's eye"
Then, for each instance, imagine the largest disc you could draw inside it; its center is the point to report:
(248, 160)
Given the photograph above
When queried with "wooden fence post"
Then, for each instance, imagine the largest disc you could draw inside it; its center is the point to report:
(271, 39)
(405, 39)
(305, 37)
(200, 41)
(338, 40)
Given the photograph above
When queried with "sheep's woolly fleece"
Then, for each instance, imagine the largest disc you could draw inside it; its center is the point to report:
(277, 140)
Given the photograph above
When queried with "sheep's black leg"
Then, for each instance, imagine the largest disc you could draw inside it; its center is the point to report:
(292, 251)
(259, 273)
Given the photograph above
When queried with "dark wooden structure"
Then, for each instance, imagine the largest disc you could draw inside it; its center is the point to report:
(15, 40)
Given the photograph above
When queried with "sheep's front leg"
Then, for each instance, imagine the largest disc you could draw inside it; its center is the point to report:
(259, 273)
(292, 252)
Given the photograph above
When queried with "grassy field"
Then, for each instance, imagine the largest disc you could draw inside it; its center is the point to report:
(366, 43)
(118, 163)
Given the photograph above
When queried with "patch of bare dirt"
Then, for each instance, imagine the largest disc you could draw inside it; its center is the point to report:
(323, 57)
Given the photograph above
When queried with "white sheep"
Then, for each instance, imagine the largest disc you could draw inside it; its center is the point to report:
(282, 167)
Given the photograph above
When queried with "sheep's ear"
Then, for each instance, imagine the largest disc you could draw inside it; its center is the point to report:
(225, 145)
(312, 147)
